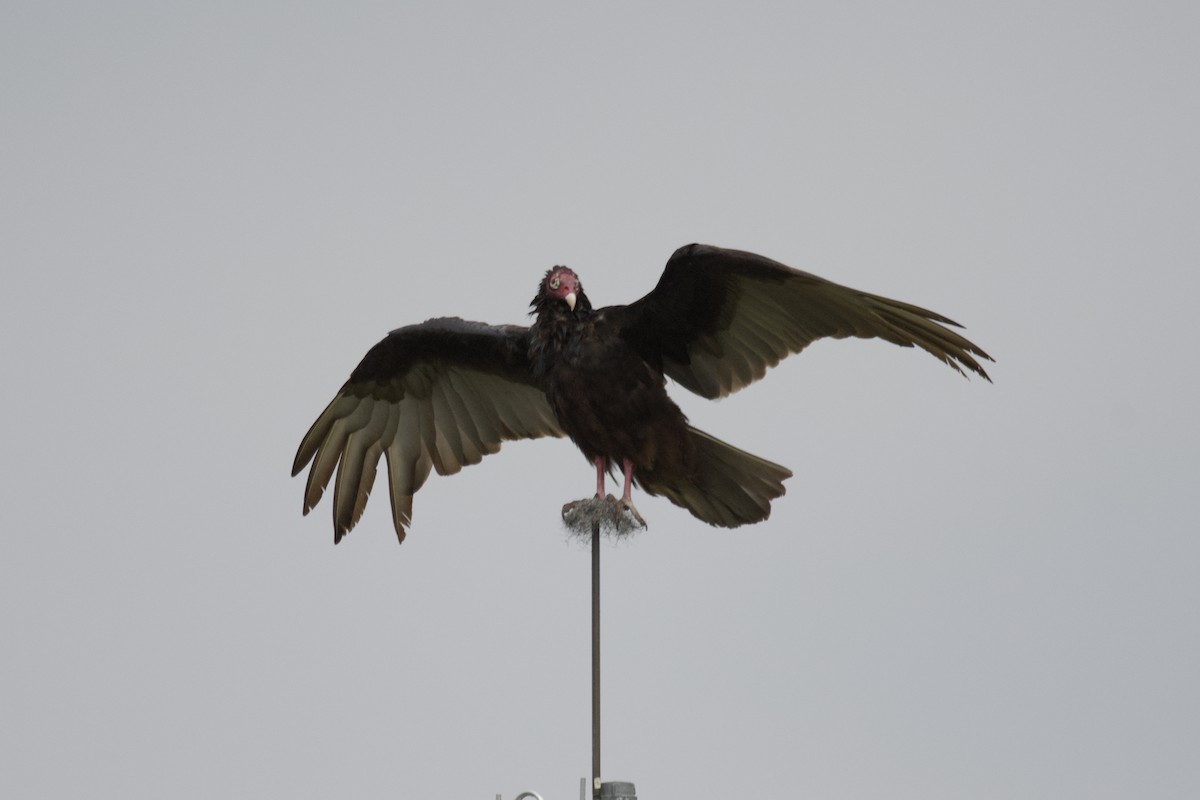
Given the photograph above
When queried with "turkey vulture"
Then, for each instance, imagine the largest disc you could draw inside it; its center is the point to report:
(445, 393)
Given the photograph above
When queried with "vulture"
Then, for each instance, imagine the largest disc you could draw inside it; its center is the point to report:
(444, 393)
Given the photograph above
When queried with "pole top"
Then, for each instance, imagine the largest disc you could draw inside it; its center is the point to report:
(606, 514)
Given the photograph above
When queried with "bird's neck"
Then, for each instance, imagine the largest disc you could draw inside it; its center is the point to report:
(557, 334)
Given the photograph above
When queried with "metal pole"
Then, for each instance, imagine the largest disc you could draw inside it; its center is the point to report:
(596, 659)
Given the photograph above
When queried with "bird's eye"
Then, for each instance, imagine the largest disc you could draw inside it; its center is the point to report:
(554, 284)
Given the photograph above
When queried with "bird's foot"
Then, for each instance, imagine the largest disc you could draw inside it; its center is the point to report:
(609, 514)
(627, 504)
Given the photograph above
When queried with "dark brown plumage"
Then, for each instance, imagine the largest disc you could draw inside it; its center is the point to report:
(444, 393)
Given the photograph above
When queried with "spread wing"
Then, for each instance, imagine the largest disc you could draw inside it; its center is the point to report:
(441, 395)
(719, 318)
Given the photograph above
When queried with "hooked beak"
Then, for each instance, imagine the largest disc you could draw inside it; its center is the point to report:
(570, 298)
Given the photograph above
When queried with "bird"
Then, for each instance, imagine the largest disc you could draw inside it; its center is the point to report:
(442, 394)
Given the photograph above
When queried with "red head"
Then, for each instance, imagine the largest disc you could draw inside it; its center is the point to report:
(562, 284)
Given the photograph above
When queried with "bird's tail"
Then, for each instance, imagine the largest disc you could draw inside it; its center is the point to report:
(728, 487)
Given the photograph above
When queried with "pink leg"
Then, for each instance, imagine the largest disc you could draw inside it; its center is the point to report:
(600, 477)
(626, 500)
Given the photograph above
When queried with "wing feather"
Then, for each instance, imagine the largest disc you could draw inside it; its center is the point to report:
(428, 426)
(719, 319)
(371, 463)
(329, 450)
(435, 396)
(484, 417)
(352, 485)
(464, 420)
(341, 406)
(449, 443)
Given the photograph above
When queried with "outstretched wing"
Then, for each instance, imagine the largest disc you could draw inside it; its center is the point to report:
(441, 395)
(719, 318)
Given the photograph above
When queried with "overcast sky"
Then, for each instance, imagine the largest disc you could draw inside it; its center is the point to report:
(210, 212)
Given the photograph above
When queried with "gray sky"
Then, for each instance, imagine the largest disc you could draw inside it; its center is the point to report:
(210, 212)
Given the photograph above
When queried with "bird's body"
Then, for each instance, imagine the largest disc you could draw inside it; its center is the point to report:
(444, 393)
(611, 403)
